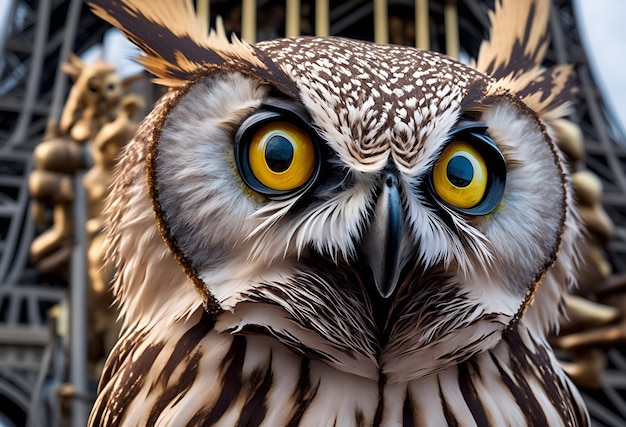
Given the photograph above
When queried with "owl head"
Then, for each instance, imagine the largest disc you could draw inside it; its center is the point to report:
(372, 207)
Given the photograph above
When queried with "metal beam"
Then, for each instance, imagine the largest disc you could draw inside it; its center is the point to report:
(78, 305)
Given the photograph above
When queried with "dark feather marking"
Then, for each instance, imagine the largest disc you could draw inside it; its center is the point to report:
(359, 418)
(161, 42)
(470, 395)
(545, 84)
(231, 368)
(475, 94)
(580, 415)
(519, 387)
(177, 390)
(199, 418)
(255, 409)
(115, 401)
(408, 410)
(461, 354)
(158, 40)
(118, 356)
(186, 344)
(447, 411)
(558, 393)
(183, 354)
(284, 337)
(304, 394)
(520, 61)
(380, 409)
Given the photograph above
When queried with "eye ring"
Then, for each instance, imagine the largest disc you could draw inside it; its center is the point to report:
(469, 175)
(277, 153)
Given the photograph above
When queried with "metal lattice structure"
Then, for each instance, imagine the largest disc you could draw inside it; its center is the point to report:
(33, 361)
(32, 90)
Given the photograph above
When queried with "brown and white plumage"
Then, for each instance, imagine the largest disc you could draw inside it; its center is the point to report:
(360, 296)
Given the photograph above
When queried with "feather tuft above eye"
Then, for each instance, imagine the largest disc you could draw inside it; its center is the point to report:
(179, 46)
(514, 52)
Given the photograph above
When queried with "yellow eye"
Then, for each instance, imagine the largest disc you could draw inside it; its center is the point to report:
(281, 156)
(460, 176)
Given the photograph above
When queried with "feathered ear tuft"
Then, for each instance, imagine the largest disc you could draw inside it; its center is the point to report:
(514, 52)
(179, 46)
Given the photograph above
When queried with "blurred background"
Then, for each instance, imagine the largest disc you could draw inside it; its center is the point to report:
(71, 97)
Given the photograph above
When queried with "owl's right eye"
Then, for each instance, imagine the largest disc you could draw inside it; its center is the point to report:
(276, 152)
(470, 174)
(460, 175)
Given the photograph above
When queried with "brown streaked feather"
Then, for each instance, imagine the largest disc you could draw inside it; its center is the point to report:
(518, 38)
(513, 54)
(550, 91)
(178, 45)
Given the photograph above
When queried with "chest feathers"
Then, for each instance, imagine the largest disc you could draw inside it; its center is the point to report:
(199, 377)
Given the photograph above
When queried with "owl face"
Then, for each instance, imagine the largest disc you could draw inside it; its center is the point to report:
(391, 210)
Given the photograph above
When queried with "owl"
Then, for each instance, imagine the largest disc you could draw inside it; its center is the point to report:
(323, 231)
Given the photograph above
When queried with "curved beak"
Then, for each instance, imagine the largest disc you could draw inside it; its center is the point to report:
(381, 244)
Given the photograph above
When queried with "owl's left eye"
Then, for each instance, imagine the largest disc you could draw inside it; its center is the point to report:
(460, 175)
(469, 175)
(281, 156)
(276, 152)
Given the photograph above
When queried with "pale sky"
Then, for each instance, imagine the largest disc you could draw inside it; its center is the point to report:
(603, 31)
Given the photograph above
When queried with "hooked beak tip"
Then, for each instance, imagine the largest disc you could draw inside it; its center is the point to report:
(382, 243)
(385, 288)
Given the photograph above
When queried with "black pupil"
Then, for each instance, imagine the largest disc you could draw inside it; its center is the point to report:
(278, 153)
(460, 171)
